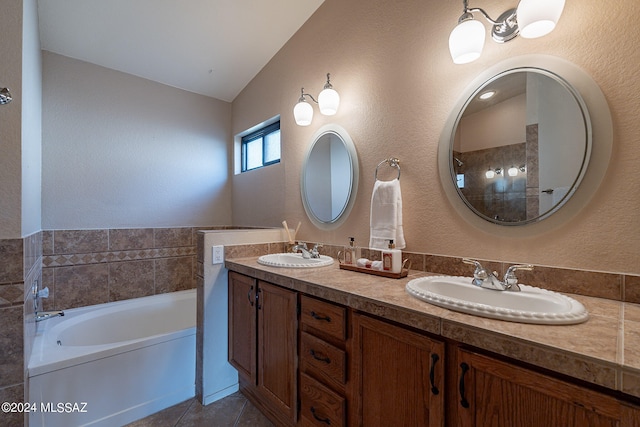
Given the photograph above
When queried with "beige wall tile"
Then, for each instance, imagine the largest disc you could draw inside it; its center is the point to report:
(12, 354)
(170, 237)
(131, 238)
(81, 285)
(131, 279)
(632, 288)
(13, 393)
(11, 254)
(174, 274)
(80, 241)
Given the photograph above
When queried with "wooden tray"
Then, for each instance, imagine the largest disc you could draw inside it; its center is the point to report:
(403, 273)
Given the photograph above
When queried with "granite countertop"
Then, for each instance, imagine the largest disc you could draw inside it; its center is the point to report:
(604, 350)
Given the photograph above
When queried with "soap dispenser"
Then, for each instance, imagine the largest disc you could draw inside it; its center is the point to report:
(392, 259)
(351, 252)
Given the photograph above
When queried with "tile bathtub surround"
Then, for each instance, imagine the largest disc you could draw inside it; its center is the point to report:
(86, 267)
(20, 266)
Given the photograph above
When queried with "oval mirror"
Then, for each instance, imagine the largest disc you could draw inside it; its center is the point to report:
(520, 146)
(541, 143)
(329, 179)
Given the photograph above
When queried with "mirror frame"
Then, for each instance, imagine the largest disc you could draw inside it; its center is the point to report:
(341, 133)
(586, 120)
(596, 108)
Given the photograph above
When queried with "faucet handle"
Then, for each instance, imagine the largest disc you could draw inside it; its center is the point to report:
(43, 293)
(510, 279)
(472, 262)
(480, 270)
(513, 268)
(479, 274)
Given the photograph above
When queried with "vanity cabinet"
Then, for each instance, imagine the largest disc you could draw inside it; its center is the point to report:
(304, 361)
(494, 393)
(323, 363)
(263, 328)
(398, 375)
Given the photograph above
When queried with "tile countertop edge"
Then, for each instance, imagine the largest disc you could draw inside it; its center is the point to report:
(594, 370)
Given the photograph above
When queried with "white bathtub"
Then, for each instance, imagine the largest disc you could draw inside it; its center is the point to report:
(111, 364)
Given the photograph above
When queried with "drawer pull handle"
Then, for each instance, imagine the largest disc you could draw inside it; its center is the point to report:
(327, 421)
(434, 360)
(463, 400)
(315, 355)
(318, 317)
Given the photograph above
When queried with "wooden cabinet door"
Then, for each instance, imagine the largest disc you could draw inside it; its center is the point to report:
(398, 376)
(277, 347)
(493, 393)
(242, 325)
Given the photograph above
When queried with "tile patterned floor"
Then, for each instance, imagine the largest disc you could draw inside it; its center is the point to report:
(232, 411)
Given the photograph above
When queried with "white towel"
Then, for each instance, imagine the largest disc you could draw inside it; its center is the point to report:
(386, 215)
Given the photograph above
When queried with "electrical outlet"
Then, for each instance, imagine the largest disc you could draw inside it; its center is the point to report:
(218, 254)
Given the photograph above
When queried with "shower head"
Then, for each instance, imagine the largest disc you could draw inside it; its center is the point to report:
(5, 96)
(458, 161)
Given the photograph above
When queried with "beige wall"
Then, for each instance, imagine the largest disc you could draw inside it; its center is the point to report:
(121, 151)
(389, 61)
(10, 121)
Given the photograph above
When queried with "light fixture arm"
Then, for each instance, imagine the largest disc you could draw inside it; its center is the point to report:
(327, 85)
(469, 11)
(530, 19)
(328, 102)
(485, 14)
(505, 28)
(302, 95)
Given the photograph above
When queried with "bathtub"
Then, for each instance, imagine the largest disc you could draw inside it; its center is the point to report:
(111, 364)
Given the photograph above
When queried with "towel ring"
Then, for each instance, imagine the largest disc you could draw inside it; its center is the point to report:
(393, 162)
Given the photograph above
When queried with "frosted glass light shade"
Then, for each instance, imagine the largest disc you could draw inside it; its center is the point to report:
(513, 171)
(303, 113)
(489, 174)
(328, 102)
(466, 41)
(537, 18)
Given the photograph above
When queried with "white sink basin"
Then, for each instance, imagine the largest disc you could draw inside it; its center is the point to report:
(530, 305)
(291, 260)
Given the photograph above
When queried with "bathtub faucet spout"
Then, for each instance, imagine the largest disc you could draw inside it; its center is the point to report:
(44, 315)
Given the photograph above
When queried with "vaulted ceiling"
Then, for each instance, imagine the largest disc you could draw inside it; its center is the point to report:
(210, 47)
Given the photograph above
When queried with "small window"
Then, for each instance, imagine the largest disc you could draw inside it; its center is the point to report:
(261, 148)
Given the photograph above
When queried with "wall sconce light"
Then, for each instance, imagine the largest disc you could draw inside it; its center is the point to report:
(513, 171)
(328, 102)
(531, 19)
(490, 173)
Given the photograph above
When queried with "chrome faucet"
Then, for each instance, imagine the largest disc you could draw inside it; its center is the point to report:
(489, 280)
(306, 253)
(44, 315)
(37, 294)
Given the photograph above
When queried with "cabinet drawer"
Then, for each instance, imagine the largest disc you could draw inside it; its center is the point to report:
(319, 405)
(322, 357)
(324, 317)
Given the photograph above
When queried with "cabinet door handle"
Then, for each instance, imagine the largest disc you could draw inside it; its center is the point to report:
(327, 421)
(432, 374)
(315, 355)
(249, 296)
(258, 299)
(463, 400)
(319, 317)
